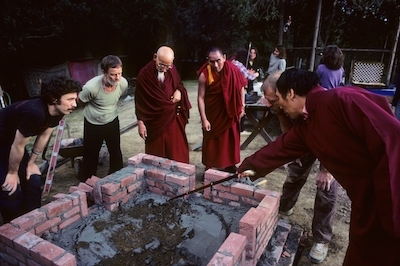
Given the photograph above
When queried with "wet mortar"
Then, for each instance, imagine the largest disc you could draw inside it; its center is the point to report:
(149, 230)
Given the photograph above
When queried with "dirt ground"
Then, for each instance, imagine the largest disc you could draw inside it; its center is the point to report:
(132, 144)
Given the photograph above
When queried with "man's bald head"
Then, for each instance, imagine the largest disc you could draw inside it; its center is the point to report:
(270, 81)
(269, 90)
(164, 58)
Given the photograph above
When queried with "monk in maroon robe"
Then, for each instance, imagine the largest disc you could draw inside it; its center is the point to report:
(162, 108)
(221, 105)
(356, 137)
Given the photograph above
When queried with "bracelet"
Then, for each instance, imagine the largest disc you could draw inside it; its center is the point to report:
(35, 152)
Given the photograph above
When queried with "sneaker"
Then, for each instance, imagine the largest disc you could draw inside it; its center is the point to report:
(287, 213)
(318, 252)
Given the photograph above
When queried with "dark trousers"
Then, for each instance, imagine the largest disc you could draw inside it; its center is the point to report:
(93, 137)
(28, 195)
(325, 201)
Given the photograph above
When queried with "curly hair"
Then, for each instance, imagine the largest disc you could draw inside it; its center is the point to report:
(53, 88)
(332, 57)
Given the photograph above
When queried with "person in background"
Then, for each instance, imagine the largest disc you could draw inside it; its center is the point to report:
(298, 172)
(221, 105)
(330, 70)
(396, 97)
(100, 96)
(347, 130)
(20, 177)
(162, 107)
(254, 67)
(277, 60)
(250, 75)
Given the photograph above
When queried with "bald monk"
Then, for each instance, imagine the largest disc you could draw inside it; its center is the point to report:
(221, 105)
(162, 107)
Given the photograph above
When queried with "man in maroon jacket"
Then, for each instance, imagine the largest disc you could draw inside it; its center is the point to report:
(356, 137)
(162, 107)
(221, 105)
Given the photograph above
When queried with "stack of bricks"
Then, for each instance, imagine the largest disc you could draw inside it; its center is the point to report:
(20, 240)
(255, 229)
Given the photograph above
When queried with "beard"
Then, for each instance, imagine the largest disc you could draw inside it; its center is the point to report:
(161, 77)
(111, 82)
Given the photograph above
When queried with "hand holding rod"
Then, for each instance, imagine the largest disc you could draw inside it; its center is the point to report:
(247, 173)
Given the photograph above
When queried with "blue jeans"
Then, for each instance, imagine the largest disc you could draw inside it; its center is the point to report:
(28, 195)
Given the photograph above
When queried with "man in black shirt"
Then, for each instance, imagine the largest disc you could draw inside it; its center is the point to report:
(19, 175)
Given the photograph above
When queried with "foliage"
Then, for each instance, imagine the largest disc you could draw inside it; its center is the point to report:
(44, 33)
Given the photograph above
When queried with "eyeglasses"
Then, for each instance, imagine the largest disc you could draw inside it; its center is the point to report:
(163, 66)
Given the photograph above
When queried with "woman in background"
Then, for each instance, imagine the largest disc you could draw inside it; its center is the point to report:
(277, 60)
(330, 70)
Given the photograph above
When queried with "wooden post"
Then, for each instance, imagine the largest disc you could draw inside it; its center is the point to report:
(316, 32)
(393, 53)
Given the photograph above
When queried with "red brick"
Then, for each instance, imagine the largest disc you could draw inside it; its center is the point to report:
(157, 173)
(234, 246)
(177, 179)
(16, 255)
(82, 202)
(185, 168)
(29, 220)
(9, 232)
(72, 189)
(116, 197)
(45, 252)
(56, 207)
(222, 187)
(136, 186)
(214, 175)
(150, 182)
(59, 196)
(140, 173)
(66, 260)
(85, 187)
(151, 160)
(92, 180)
(47, 225)
(167, 164)
(25, 242)
(137, 159)
(31, 262)
(128, 197)
(127, 180)
(71, 212)
(156, 190)
(221, 260)
(242, 189)
(110, 188)
(69, 221)
(269, 202)
(250, 201)
(229, 196)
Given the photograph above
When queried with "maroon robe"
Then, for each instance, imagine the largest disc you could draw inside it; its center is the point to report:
(165, 121)
(356, 137)
(223, 105)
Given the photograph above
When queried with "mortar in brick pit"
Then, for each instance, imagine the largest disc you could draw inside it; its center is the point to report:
(149, 231)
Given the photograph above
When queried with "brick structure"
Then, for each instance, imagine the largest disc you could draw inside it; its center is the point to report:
(21, 242)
